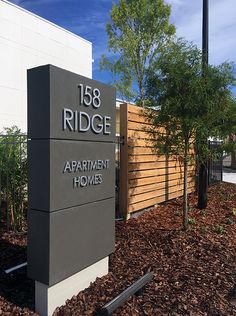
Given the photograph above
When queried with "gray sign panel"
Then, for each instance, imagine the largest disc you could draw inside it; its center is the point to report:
(71, 126)
(64, 105)
(65, 242)
(73, 172)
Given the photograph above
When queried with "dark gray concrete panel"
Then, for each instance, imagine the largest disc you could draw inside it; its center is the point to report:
(65, 93)
(38, 244)
(75, 239)
(51, 187)
(39, 173)
(38, 91)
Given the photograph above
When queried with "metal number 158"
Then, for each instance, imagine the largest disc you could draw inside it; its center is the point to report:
(89, 96)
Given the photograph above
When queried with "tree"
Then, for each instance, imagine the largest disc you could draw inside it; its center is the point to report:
(176, 85)
(137, 30)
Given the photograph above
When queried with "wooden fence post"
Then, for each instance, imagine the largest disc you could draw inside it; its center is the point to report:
(123, 195)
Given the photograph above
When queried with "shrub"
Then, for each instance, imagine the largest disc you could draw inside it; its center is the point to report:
(191, 221)
(13, 176)
(219, 229)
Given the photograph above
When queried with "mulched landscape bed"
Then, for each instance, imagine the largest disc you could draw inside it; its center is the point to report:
(194, 271)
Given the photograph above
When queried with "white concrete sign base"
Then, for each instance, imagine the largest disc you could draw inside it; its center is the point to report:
(48, 298)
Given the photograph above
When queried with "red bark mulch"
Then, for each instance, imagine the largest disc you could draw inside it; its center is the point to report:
(194, 271)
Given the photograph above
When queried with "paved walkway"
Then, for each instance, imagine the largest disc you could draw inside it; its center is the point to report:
(229, 175)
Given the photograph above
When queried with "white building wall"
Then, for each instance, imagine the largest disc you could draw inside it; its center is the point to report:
(28, 41)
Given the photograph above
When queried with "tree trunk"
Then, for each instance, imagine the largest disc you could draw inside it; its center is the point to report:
(202, 174)
(185, 206)
(202, 185)
(233, 153)
(233, 159)
(140, 86)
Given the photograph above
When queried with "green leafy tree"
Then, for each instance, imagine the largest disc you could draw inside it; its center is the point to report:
(189, 104)
(136, 32)
(13, 176)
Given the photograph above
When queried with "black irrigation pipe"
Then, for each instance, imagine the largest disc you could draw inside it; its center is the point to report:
(135, 288)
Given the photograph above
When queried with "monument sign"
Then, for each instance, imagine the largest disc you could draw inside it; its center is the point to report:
(71, 149)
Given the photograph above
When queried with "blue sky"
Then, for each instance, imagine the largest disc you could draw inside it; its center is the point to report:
(88, 18)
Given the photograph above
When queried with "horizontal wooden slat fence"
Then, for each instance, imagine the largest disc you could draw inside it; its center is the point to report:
(146, 178)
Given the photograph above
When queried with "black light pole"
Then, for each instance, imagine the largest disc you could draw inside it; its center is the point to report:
(205, 32)
(203, 169)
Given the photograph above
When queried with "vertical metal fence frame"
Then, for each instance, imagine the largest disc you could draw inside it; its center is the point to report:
(215, 166)
(13, 180)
